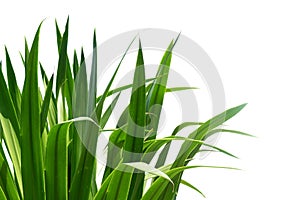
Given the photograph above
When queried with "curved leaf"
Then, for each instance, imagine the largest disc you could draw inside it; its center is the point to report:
(56, 165)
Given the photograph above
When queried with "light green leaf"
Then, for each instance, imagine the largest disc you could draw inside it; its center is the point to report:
(8, 188)
(192, 187)
(13, 148)
(149, 169)
(56, 165)
(7, 108)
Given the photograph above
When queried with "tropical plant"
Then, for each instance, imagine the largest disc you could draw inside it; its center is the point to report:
(43, 151)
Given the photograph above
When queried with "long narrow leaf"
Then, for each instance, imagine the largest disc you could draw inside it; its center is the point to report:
(13, 147)
(62, 62)
(13, 85)
(31, 150)
(46, 104)
(134, 136)
(192, 187)
(7, 108)
(8, 189)
(189, 149)
(56, 162)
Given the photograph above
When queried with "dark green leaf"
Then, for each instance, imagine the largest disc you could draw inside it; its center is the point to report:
(45, 105)
(12, 84)
(62, 62)
(7, 108)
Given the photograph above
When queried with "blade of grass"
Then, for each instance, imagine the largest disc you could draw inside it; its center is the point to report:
(164, 153)
(80, 99)
(227, 131)
(7, 108)
(13, 147)
(189, 149)
(26, 53)
(192, 187)
(105, 94)
(126, 181)
(93, 79)
(12, 84)
(81, 184)
(62, 62)
(149, 169)
(56, 162)
(75, 65)
(2, 194)
(58, 36)
(108, 111)
(102, 192)
(114, 144)
(157, 92)
(122, 88)
(178, 89)
(46, 104)
(7, 184)
(31, 149)
(160, 185)
(114, 152)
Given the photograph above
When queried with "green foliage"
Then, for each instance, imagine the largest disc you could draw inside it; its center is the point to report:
(48, 152)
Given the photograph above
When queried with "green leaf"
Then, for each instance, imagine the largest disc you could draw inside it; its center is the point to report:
(157, 92)
(56, 162)
(68, 87)
(80, 101)
(26, 53)
(81, 183)
(134, 137)
(13, 148)
(159, 187)
(7, 108)
(120, 183)
(93, 79)
(44, 75)
(45, 105)
(58, 36)
(62, 62)
(202, 131)
(122, 88)
(227, 131)
(164, 153)
(114, 152)
(192, 187)
(149, 169)
(8, 189)
(136, 124)
(165, 140)
(2, 194)
(102, 192)
(178, 89)
(106, 92)
(31, 149)
(12, 84)
(189, 148)
(75, 65)
(82, 180)
(109, 111)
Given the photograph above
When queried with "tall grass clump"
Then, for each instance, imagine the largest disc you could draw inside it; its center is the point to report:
(49, 137)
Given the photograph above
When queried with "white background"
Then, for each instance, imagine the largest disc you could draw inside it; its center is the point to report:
(255, 46)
